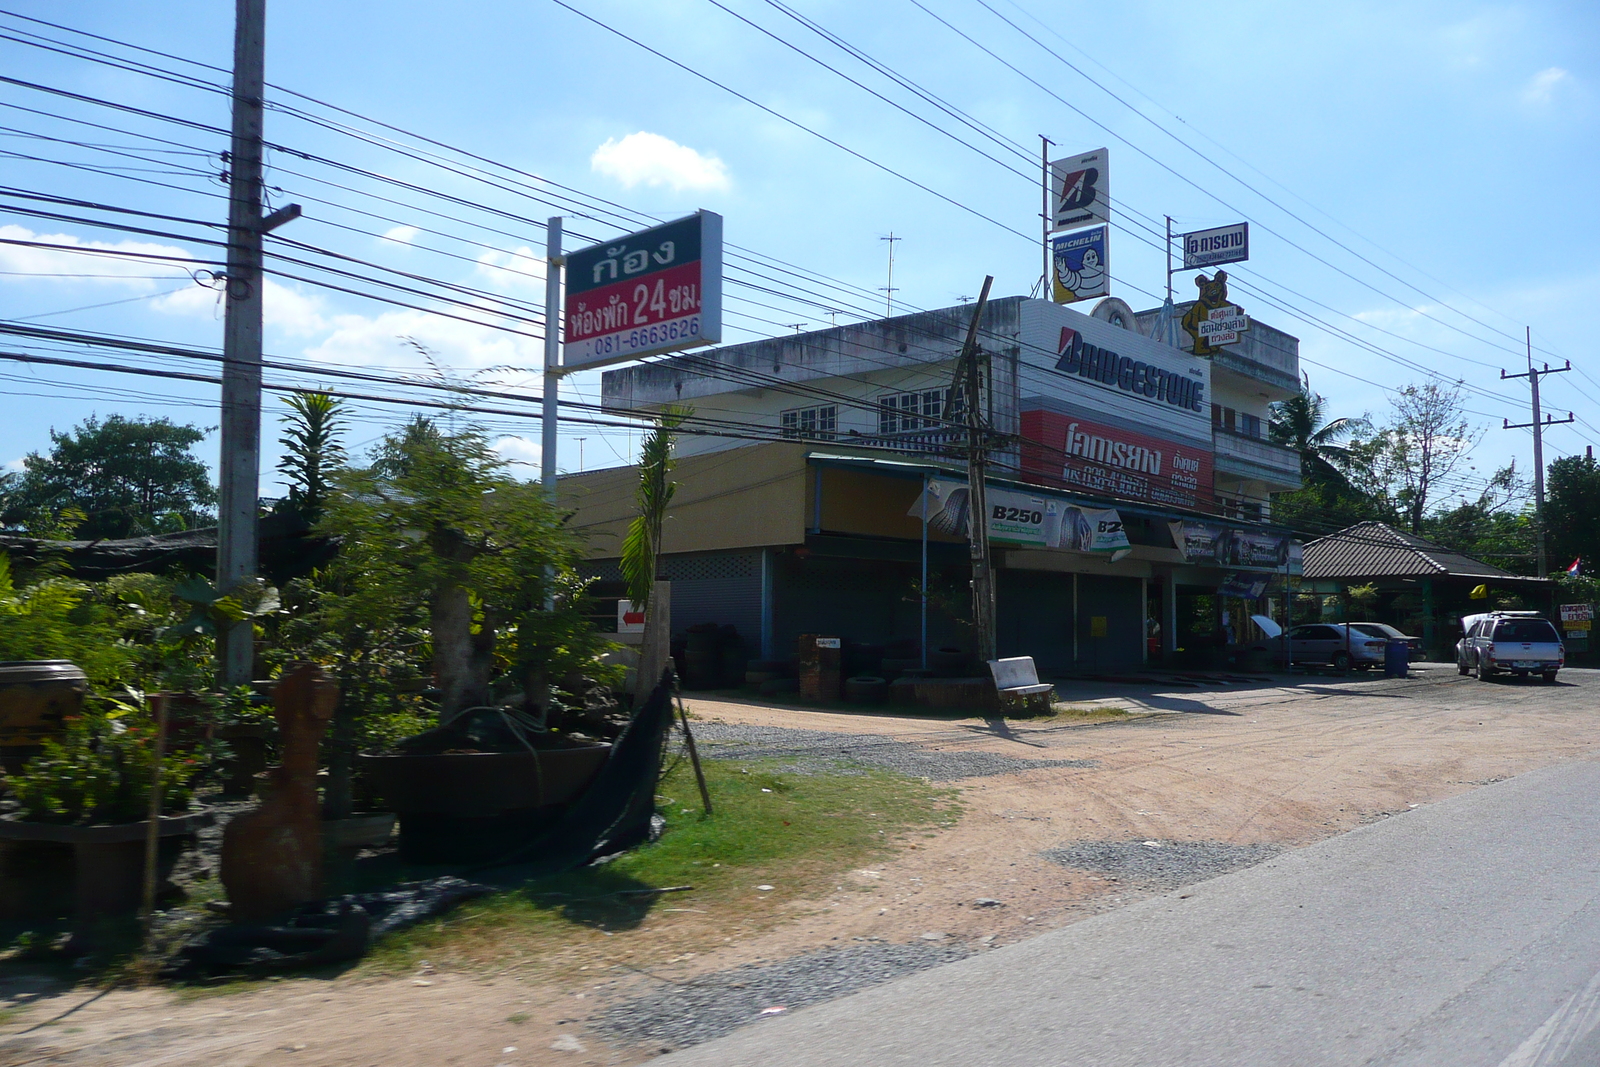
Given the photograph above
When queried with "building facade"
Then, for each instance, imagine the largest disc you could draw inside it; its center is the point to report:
(1130, 489)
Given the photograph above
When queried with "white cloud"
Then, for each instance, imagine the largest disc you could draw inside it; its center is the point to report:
(651, 159)
(1543, 86)
(385, 340)
(520, 272)
(518, 450)
(111, 268)
(402, 234)
(14, 465)
(291, 311)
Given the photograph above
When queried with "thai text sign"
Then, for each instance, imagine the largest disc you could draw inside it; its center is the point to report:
(1222, 325)
(1080, 191)
(654, 291)
(1021, 518)
(1096, 458)
(1210, 248)
(1577, 612)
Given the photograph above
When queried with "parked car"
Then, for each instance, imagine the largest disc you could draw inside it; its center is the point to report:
(1384, 630)
(1339, 644)
(1515, 642)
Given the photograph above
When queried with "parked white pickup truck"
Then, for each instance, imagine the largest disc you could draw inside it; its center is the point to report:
(1509, 642)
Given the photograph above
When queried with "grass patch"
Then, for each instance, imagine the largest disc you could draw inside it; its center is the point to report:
(792, 832)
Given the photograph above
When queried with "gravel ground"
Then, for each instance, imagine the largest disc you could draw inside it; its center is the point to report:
(1167, 864)
(818, 751)
(686, 1013)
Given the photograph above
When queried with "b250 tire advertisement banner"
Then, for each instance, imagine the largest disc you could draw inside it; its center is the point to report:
(1019, 518)
(1096, 458)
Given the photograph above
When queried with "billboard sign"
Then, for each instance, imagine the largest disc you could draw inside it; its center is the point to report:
(1080, 191)
(1213, 544)
(1093, 457)
(1577, 612)
(1211, 248)
(1080, 265)
(650, 292)
(1026, 519)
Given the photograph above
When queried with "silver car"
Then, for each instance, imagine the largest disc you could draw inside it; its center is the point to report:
(1510, 642)
(1339, 644)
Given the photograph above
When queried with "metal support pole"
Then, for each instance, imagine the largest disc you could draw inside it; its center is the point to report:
(925, 485)
(239, 465)
(1046, 290)
(1169, 258)
(552, 355)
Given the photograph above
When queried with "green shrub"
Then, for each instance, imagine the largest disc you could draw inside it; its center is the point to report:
(100, 771)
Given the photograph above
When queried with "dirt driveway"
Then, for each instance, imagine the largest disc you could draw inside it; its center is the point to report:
(1060, 821)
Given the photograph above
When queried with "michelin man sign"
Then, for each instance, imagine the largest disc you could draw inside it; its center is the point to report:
(1080, 265)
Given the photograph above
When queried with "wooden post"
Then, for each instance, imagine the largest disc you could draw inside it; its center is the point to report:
(152, 836)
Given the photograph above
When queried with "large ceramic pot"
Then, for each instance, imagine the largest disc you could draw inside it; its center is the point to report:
(37, 697)
(465, 807)
(50, 871)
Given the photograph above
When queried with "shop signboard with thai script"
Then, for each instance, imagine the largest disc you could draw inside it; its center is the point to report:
(1030, 520)
(1223, 325)
(1577, 612)
(1216, 544)
(1094, 457)
(1214, 247)
(650, 292)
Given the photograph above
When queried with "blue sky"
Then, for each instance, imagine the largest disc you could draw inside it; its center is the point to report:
(1419, 178)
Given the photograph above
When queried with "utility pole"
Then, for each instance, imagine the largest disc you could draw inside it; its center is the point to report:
(239, 465)
(969, 373)
(889, 290)
(554, 261)
(1540, 421)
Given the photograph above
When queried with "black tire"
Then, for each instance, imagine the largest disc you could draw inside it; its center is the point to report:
(1479, 671)
(1340, 661)
(1461, 668)
(1549, 677)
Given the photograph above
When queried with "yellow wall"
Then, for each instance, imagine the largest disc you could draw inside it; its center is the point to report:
(738, 498)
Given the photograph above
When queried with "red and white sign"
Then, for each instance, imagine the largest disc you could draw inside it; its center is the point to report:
(654, 291)
(1092, 457)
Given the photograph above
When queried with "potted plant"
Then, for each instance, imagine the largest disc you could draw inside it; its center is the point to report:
(75, 843)
(444, 554)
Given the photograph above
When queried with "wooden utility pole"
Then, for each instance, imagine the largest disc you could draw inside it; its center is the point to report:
(1540, 421)
(239, 466)
(969, 372)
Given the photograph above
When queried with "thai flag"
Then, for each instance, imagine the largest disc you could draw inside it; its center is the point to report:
(1576, 569)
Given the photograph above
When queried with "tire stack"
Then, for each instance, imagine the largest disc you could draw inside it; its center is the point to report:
(702, 657)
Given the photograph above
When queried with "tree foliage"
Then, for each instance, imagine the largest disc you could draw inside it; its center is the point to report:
(1572, 512)
(122, 477)
(1301, 423)
(642, 545)
(313, 448)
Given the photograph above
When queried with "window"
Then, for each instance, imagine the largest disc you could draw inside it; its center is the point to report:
(1250, 425)
(1526, 630)
(817, 424)
(1216, 414)
(904, 412)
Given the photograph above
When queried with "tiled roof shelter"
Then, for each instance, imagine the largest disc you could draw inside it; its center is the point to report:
(1377, 550)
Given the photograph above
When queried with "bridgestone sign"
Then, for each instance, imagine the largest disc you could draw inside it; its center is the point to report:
(1212, 248)
(650, 292)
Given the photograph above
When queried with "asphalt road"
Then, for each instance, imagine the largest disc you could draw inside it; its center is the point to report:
(1458, 934)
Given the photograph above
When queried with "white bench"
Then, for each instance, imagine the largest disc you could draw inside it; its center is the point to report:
(1017, 679)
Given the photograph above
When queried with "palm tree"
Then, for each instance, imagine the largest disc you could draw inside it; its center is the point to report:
(1299, 423)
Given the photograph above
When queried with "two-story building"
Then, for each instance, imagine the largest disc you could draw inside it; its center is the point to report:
(1130, 484)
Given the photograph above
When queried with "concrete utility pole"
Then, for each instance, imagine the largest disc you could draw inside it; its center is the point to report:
(239, 466)
(554, 262)
(1533, 374)
(969, 372)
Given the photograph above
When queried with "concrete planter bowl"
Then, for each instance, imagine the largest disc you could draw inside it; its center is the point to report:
(472, 807)
(52, 871)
